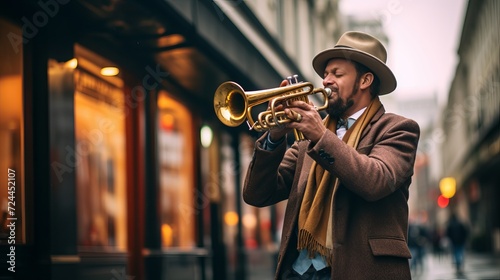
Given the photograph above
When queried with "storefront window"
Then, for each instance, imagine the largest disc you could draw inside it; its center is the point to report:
(231, 218)
(176, 173)
(12, 214)
(100, 145)
(257, 222)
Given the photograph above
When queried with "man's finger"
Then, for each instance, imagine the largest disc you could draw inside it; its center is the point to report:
(300, 104)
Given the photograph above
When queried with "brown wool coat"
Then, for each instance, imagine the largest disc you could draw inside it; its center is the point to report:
(370, 217)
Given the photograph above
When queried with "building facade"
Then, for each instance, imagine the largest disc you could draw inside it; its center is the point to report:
(471, 125)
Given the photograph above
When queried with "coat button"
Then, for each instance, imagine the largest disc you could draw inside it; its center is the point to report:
(331, 160)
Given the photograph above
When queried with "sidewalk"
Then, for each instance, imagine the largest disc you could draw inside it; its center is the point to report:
(476, 267)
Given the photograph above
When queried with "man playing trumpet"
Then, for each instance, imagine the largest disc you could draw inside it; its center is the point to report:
(347, 185)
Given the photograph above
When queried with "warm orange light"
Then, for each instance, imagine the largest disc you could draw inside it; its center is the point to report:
(164, 102)
(167, 122)
(231, 218)
(448, 187)
(110, 71)
(72, 63)
(171, 40)
(443, 201)
(249, 221)
(166, 235)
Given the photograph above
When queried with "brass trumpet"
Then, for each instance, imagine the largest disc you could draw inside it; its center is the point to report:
(233, 105)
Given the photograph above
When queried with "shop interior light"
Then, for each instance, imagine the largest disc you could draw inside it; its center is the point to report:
(167, 121)
(166, 235)
(72, 63)
(206, 136)
(249, 221)
(231, 218)
(110, 71)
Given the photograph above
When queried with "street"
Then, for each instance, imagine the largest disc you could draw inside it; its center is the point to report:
(476, 267)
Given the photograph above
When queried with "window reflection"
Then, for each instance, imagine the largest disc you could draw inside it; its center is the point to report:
(227, 178)
(100, 145)
(176, 172)
(257, 222)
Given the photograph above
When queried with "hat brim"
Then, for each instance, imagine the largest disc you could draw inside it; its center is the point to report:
(387, 79)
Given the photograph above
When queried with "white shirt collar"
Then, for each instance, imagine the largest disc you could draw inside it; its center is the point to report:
(358, 114)
(341, 131)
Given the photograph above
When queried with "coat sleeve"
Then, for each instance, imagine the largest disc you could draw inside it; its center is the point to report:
(270, 174)
(387, 165)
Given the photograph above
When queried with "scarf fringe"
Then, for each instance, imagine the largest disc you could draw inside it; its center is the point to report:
(306, 241)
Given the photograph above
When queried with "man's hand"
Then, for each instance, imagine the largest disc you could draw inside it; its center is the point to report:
(309, 123)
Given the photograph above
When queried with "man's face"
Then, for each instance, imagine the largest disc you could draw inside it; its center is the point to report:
(340, 76)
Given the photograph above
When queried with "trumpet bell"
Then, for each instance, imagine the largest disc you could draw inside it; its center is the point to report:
(230, 104)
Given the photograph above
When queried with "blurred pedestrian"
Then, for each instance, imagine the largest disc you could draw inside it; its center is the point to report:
(347, 184)
(437, 242)
(457, 232)
(417, 242)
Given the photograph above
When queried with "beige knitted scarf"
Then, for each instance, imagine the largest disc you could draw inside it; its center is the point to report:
(316, 212)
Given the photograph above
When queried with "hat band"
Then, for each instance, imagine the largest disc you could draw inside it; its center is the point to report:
(343, 46)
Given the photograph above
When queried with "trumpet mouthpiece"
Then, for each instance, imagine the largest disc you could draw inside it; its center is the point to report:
(328, 92)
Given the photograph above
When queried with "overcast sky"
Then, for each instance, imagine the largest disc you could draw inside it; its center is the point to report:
(424, 38)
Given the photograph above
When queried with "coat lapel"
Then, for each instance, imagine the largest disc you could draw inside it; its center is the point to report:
(375, 118)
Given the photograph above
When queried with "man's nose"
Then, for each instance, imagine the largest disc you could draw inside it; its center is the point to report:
(328, 80)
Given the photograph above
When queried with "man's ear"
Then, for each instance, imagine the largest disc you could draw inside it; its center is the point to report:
(366, 80)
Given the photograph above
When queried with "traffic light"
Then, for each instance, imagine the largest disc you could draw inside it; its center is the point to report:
(448, 187)
(442, 201)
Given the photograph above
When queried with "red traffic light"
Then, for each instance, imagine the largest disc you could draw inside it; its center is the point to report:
(443, 201)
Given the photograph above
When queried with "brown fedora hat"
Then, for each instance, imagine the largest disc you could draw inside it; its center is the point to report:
(364, 49)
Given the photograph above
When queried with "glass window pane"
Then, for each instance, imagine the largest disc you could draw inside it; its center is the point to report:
(257, 222)
(176, 172)
(12, 216)
(100, 145)
(228, 188)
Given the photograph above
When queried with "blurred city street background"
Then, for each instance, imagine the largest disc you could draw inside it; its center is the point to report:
(115, 165)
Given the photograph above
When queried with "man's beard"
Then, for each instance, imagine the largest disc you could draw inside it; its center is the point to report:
(338, 107)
